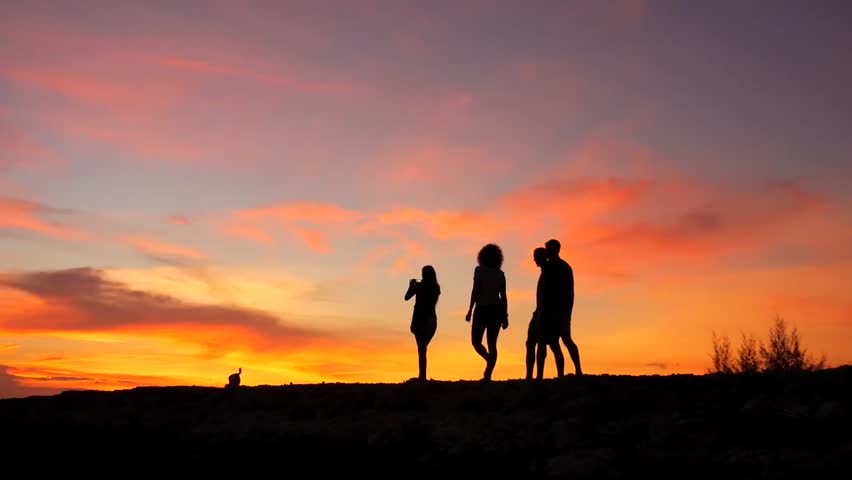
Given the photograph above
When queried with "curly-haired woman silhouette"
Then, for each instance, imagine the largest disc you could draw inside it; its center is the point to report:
(488, 295)
(424, 320)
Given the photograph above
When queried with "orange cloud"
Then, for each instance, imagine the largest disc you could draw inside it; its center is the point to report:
(38, 379)
(404, 256)
(85, 300)
(155, 248)
(18, 214)
(613, 227)
(405, 262)
(445, 224)
(322, 219)
(86, 305)
(309, 212)
(12, 386)
(316, 241)
(246, 231)
(375, 255)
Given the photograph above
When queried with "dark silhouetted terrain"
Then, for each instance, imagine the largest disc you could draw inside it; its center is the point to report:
(710, 426)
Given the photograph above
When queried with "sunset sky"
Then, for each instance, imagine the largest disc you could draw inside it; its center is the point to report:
(187, 188)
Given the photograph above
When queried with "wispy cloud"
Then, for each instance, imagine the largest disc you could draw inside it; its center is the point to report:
(272, 79)
(181, 220)
(154, 247)
(24, 215)
(35, 379)
(310, 223)
(11, 386)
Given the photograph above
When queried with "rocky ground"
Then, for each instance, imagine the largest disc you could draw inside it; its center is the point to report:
(703, 426)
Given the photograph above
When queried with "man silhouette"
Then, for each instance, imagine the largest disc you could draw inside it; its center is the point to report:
(561, 290)
(540, 259)
(547, 320)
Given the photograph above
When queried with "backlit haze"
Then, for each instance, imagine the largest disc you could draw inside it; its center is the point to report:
(187, 188)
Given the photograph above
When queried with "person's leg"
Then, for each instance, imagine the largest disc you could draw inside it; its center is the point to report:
(421, 355)
(558, 357)
(532, 340)
(477, 330)
(541, 356)
(573, 351)
(491, 334)
(547, 336)
(423, 338)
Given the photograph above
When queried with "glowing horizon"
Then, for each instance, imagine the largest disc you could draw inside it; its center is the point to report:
(190, 189)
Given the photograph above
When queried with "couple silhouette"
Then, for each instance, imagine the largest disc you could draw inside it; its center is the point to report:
(551, 320)
(488, 310)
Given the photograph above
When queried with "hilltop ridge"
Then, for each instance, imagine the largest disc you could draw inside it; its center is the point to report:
(596, 426)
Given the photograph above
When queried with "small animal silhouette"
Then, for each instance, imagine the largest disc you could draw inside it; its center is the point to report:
(234, 379)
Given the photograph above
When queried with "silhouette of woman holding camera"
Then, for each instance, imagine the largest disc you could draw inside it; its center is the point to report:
(424, 320)
(488, 295)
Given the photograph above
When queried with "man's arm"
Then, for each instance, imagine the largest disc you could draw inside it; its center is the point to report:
(504, 301)
(570, 275)
(541, 291)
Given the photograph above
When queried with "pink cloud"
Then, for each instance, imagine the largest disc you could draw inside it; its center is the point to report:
(140, 93)
(181, 220)
(23, 215)
(137, 92)
(276, 80)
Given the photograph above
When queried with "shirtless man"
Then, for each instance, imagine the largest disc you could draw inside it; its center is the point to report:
(561, 299)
